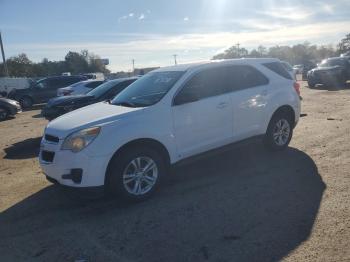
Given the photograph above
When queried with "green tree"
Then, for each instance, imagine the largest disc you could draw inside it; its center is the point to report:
(76, 63)
(19, 65)
(344, 45)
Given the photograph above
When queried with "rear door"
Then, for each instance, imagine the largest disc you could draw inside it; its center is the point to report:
(249, 100)
(202, 112)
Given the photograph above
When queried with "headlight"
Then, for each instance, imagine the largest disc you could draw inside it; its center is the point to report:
(79, 140)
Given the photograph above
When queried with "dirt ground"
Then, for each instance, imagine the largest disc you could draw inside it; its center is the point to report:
(243, 205)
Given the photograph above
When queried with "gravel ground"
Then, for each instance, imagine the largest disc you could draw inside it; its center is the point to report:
(242, 205)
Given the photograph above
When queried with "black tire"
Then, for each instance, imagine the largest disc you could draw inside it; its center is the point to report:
(270, 136)
(311, 84)
(341, 82)
(121, 162)
(26, 102)
(3, 114)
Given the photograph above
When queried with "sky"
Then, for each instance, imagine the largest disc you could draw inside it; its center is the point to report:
(152, 31)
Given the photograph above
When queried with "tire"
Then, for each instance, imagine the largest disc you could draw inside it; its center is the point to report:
(26, 102)
(3, 114)
(279, 132)
(125, 181)
(341, 82)
(311, 84)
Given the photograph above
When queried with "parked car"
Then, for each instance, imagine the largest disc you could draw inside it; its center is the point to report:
(126, 145)
(331, 71)
(79, 88)
(8, 108)
(298, 69)
(43, 90)
(307, 66)
(61, 105)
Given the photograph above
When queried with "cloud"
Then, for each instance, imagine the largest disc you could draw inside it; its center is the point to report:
(293, 13)
(131, 15)
(141, 17)
(186, 19)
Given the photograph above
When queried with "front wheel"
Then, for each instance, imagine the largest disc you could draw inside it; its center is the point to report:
(279, 132)
(26, 102)
(3, 114)
(135, 173)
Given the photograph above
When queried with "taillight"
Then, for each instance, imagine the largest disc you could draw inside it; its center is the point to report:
(297, 88)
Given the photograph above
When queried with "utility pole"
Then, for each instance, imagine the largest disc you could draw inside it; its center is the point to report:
(238, 50)
(175, 59)
(133, 66)
(3, 57)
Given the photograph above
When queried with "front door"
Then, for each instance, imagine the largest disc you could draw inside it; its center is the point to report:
(202, 113)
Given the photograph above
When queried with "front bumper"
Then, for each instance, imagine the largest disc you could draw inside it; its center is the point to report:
(62, 165)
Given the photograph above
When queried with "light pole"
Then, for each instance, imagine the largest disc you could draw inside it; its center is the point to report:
(175, 59)
(133, 66)
(3, 56)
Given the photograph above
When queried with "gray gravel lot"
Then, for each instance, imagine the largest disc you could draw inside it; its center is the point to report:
(245, 204)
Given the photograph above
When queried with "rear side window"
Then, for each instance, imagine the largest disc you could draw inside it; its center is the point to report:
(279, 69)
(93, 84)
(245, 76)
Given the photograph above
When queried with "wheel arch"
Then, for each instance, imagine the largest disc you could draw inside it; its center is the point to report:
(141, 142)
(285, 109)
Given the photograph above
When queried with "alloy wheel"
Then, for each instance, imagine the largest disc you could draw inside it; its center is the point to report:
(140, 175)
(281, 132)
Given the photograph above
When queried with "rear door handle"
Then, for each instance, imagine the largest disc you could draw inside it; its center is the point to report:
(222, 105)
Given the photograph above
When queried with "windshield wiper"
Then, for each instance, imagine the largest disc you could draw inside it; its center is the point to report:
(127, 104)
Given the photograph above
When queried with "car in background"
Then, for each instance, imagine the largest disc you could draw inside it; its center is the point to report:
(289, 69)
(298, 69)
(125, 146)
(79, 88)
(43, 90)
(307, 66)
(8, 108)
(64, 104)
(334, 71)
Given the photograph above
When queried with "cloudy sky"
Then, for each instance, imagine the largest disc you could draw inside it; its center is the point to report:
(151, 32)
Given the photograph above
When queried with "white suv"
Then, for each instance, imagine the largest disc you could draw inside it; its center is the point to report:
(125, 145)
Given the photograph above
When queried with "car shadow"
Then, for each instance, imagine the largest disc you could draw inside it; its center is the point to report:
(242, 205)
(28, 148)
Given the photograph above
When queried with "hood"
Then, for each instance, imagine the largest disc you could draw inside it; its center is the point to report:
(69, 100)
(325, 68)
(92, 115)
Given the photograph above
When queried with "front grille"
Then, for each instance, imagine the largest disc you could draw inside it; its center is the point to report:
(47, 156)
(53, 139)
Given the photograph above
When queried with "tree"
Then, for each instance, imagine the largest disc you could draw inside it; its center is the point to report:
(232, 52)
(19, 65)
(344, 45)
(76, 63)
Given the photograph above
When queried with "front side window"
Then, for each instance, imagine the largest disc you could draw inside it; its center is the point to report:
(207, 83)
(148, 90)
(102, 89)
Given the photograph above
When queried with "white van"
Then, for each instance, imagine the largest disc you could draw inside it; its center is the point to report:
(7, 84)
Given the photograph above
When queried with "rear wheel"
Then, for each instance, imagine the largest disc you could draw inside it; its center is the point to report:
(279, 132)
(135, 173)
(311, 83)
(3, 114)
(26, 102)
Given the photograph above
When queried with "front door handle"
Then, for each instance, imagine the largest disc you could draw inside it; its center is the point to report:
(222, 105)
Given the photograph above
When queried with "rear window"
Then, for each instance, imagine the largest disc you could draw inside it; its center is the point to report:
(279, 69)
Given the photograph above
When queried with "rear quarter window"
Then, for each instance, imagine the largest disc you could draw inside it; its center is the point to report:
(279, 69)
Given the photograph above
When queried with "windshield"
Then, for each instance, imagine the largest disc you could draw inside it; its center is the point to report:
(148, 90)
(332, 62)
(102, 89)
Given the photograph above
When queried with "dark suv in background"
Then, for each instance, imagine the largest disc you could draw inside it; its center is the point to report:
(43, 90)
(334, 71)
